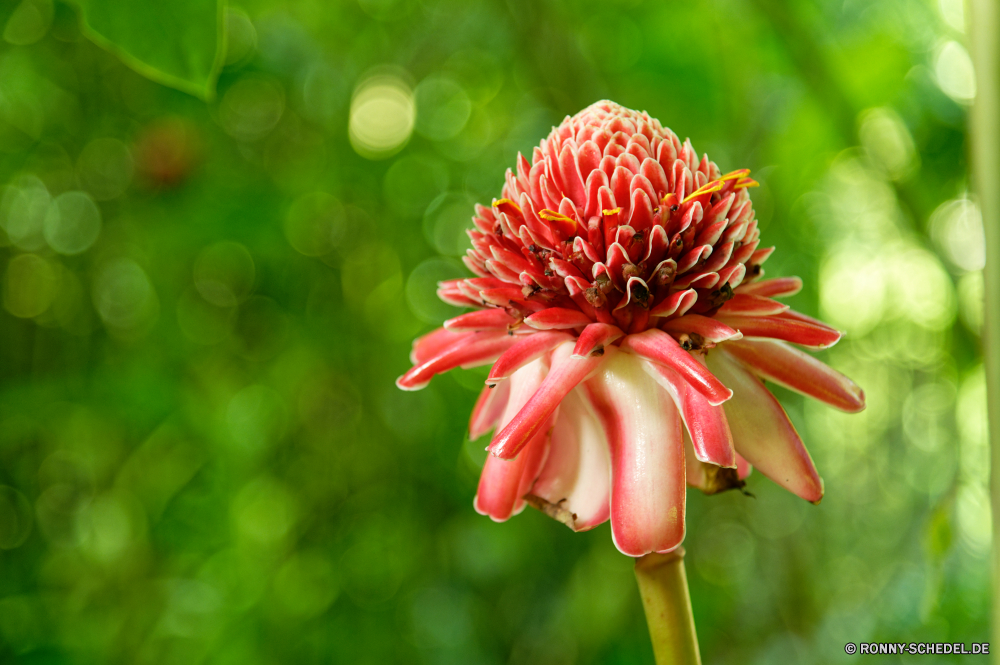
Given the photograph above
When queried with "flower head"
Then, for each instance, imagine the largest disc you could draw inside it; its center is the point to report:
(619, 298)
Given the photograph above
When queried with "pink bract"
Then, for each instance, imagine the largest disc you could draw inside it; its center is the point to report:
(619, 298)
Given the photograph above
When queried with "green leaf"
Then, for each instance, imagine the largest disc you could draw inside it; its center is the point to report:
(178, 43)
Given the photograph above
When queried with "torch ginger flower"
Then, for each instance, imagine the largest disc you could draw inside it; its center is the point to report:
(619, 300)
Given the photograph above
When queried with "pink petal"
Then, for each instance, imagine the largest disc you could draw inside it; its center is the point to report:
(567, 371)
(452, 295)
(709, 329)
(488, 409)
(676, 303)
(503, 483)
(595, 337)
(778, 287)
(762, 432)
(557, 318)
(647, 456)
(523, 351)
(743, 467)
(434, 343)
(706, 424)
(789, 367)
(478, 349)
(804, 333)
(575, 483)
(750, 305)
(486, 319)
(660, 347)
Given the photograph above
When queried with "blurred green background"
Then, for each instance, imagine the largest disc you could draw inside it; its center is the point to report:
(203, 457)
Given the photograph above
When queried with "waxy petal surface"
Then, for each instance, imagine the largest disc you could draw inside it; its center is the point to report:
(575, 482)
(646, 438)
(762, 432)
(796, 370)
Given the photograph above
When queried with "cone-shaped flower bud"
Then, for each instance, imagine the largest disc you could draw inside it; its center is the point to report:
(619, 297)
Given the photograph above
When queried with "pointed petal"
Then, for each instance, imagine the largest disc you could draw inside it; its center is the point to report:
(799, 332)
(434, 343)
(777, 287)
(503, 483)
(676, 303)
(595, 337)
(558, 318)
(762, 432)
(523, 351)
(485, 319)
(660, 347)
(567, 371)
(575, 483)
(710, 330)
(488, 409)
(750, 305)
(647, 456)
(796, 370)
(478, 349)
(706, 424)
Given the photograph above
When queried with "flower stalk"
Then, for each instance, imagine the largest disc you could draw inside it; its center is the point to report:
(984, 139)
(665, 598)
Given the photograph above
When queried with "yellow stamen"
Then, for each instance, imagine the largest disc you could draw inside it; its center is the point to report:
(559, 218)
(707, 188)
(733, 175)
(500, 202)
(611, 212)
(746, 182)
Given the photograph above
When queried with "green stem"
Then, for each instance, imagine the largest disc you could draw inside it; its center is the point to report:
(984, 139)
(665, 597)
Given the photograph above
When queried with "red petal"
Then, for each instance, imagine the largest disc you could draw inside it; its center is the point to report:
(479, 349)
(706, 424)
(660, 347)
(796, 331)
(526, 349)
(762, 432)
(750, 305)
(503, 483)
(433, 344)
(486, 319)
(558, 318)
(677, 303)
(777, 287)
(567, 371)
(596, 337)
(712, 330)
(646, 438)
(576, 479)
(789, 367)
(488, 409)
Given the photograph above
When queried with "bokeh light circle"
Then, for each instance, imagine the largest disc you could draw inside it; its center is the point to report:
(72, 224)
(383, 115)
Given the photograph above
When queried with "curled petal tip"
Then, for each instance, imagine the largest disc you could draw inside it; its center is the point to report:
(721, 398)
(403, 384)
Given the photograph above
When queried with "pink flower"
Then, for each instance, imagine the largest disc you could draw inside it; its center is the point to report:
(619, 299)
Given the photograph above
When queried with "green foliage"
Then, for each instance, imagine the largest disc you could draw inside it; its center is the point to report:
(180, 43)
